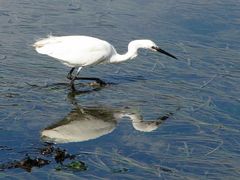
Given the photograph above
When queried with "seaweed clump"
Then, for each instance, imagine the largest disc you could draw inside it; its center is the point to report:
(47, 152)
(26, 163)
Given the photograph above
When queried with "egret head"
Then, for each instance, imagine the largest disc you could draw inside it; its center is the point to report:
(147, 44)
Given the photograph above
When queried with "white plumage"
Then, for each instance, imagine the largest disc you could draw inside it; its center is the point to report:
(81, 51)
(75, 51)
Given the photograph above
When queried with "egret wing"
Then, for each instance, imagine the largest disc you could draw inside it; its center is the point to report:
(75, 50)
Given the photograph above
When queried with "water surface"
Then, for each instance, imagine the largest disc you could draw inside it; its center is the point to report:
(200, 90)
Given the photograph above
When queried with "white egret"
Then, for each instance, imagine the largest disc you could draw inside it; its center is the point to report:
(81, 51)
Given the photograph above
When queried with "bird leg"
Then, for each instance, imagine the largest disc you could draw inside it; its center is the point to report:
(99, 81)
(73, 78)
(69, 76)
(72, 85)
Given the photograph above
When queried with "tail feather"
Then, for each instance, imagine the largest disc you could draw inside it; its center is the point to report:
(41, 45)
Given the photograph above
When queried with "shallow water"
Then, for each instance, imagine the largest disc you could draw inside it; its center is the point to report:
(200, 90)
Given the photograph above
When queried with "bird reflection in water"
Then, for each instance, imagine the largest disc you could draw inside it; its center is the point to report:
(86, 123)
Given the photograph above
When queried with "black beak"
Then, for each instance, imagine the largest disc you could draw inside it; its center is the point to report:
(164, 52)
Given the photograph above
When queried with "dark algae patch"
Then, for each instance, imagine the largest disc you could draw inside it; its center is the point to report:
(45, 157)
(61, 155)
(73, 166)
(26, 164)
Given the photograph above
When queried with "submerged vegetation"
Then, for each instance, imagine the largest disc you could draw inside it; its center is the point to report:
(47, 152)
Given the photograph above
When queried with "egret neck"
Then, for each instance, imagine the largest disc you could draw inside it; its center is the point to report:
(133, 47)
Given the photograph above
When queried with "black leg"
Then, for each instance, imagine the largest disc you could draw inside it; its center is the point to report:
(99, 81)
(73, 78)
(72, 85)
(69, 76)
